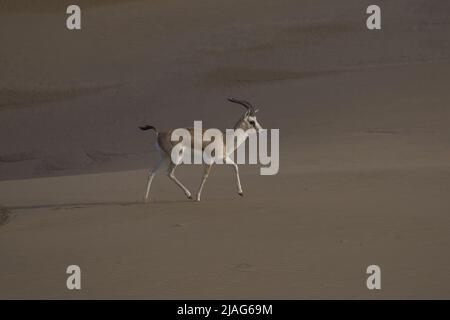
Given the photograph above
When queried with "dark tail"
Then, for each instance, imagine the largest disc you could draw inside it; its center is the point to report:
(147, 127)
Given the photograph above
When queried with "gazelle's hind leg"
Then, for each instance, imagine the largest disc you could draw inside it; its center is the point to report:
(207, 169)
(171, 174)
(152, 174)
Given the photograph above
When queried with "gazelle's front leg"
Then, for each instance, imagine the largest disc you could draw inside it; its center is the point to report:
(171, 174)
(207, 169)
(236, 171)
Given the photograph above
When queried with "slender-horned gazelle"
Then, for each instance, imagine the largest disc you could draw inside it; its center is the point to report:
(165, 145)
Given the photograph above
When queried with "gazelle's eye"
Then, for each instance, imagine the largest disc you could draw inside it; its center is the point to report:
(252, 122)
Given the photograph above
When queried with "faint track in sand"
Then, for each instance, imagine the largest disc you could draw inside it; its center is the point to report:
(5, 216)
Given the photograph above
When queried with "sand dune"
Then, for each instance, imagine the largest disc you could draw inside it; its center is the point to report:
(14, 98)
(266, 245)
(364, 171)
(51, 6)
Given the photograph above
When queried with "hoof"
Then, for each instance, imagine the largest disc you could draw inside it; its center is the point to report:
(241, 194)
(190, 197)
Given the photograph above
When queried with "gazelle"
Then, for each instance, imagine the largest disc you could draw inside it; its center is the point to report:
(165, 145)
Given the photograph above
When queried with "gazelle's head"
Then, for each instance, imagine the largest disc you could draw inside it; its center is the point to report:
(248, 120)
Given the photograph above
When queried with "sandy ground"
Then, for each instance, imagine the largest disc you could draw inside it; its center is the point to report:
(364, 175)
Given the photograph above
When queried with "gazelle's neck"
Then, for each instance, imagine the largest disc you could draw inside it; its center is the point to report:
(241, 124)
(241, 133)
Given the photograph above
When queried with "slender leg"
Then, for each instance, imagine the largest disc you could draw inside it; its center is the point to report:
(207, 169)
(171, 174)
(236, 170)
(151, 176)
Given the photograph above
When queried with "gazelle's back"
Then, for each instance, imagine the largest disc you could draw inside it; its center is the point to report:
(166, 144)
